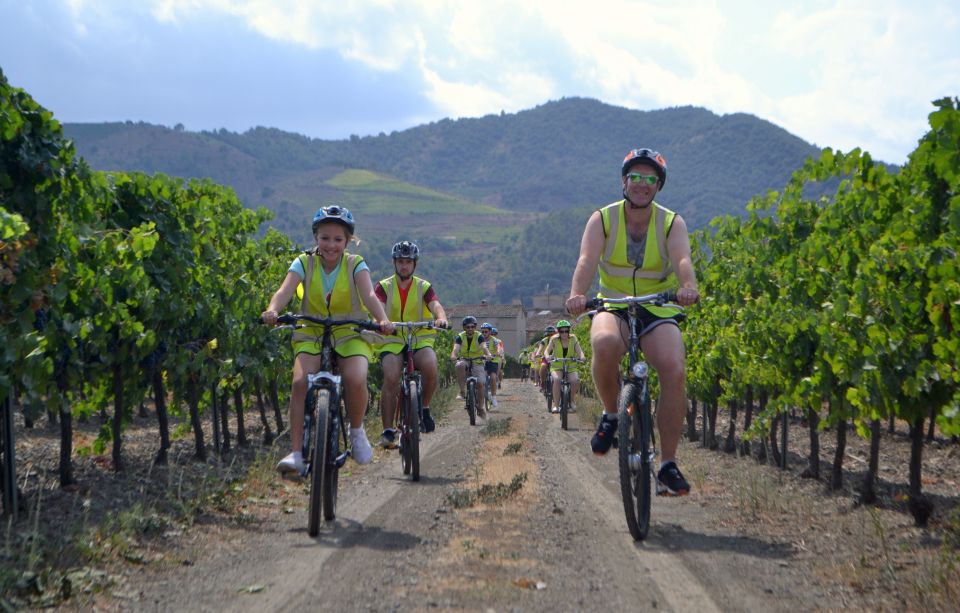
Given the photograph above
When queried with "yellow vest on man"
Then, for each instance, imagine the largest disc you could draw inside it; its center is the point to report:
(414, 310)
(618, 276)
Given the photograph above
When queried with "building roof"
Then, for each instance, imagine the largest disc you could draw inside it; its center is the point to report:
(481, 311)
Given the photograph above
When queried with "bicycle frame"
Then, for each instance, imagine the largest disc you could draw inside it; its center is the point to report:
(472, 397)
(565, 398)
(409, 420)
(324, 426)
(636, 445)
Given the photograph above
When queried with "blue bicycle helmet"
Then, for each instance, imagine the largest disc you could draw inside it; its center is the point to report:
(334, 213)
(486, 326)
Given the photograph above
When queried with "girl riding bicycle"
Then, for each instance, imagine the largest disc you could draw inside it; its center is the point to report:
(330, 283)
(563, 345)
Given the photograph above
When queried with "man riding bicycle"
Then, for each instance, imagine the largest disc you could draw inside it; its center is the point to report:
(469, 344)
(407, 297)
(563, 345)
(639, 248)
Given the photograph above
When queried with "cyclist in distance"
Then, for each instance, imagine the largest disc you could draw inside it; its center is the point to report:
(407, 297)
(501, 357)
(563, 345)
(543, 369)
(639, 248)
(330, 283)
(491, 367)
(469, 344)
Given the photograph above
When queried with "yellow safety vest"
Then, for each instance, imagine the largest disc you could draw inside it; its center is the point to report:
(618, 276)
(415, 309)
(570, 352)
(473, 350)
(344, 301)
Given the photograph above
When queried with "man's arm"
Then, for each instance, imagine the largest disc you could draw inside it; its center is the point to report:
(678, 246)
(591, 246)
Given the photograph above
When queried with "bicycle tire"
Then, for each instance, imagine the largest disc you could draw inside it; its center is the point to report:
(403, 429)
(564, 405)
(413, 425)
(471, 402)
(321, 415)
(635, 481)
(331, 473)
(548, 394)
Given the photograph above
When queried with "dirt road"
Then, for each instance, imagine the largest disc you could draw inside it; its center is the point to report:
(556, 540)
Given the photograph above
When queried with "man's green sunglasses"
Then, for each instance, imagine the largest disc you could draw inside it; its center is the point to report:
(636, 177)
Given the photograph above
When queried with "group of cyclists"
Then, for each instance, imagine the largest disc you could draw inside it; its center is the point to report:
(635, 244)
(538, 361)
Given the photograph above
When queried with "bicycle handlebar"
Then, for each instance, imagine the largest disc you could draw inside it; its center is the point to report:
(291, 322)
(658, 299)
(418, 324)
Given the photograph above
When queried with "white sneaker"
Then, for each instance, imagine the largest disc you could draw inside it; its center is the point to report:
(459, 396)
(493, 401)
(290, 465)
(361, 451)
(555, 410)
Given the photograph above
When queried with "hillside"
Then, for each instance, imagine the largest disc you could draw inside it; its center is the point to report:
(472, 186)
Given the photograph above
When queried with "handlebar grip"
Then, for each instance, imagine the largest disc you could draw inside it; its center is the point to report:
(594, 303)
(670, 296)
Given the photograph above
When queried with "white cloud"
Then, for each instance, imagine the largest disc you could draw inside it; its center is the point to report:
(856, 72)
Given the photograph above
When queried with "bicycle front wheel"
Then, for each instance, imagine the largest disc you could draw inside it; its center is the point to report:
(634, 431)
(472, 402)
(318, 461)
(564, 405)
(412, 425)
(331, 471)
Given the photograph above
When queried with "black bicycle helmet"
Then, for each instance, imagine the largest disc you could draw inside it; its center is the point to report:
(469, 319)
(336, 214)
(406, 249)
(645, 156)
(550, 330)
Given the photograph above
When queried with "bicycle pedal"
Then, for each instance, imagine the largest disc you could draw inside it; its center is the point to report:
(341, 459)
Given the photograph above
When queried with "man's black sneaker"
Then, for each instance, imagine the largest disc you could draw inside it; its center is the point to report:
(388, 440)
(427, 421)
(670, 481)
(603, 437)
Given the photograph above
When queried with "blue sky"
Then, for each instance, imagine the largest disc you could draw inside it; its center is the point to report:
(840, 74)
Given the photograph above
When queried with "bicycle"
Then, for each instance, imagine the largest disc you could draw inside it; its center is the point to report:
(636, 440)
(546, 388)
(411, 403)
(323, 419)
(472, 397)
(565, 402)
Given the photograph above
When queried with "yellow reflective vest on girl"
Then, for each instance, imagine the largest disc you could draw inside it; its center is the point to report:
(618, 276)
(341, 302)
(556, 350)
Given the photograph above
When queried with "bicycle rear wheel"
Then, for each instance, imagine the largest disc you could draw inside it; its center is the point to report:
(412, 425)
(564, 404)
(548, 394)
(472, 402)
(636, 482)
(331, 472)
(321, 427)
